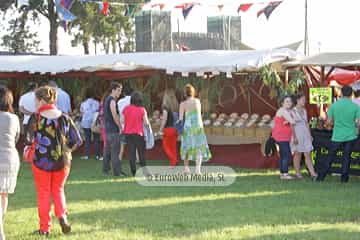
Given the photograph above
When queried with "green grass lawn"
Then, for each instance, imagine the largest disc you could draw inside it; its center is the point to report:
(257, 206)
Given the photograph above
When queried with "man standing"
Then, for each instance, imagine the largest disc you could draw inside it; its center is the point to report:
(112, 129)
(27, 103)
(63, 102)
(344, 115)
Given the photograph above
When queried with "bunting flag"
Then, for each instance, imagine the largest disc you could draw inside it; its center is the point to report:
(105, 9)
(267, 11)
(186, 8)
(220, 7)
(130, 10)
(64, 14)
(244, 7)
(160, 5)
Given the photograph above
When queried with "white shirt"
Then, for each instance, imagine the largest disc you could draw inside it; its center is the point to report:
(63, 101)
(88, 109)
(27, 101)
(122, 103)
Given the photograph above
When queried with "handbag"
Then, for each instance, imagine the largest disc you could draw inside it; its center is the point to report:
(29, 151)
(179, 126)
(149, 137)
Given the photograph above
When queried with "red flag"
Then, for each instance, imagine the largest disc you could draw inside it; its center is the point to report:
(267, 11)
(244, 7)
(105, 8)
(160, 5)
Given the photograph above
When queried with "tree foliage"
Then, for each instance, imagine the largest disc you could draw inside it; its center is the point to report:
(19, 38)
(114, 32)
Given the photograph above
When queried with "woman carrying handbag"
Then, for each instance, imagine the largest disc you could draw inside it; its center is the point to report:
(55, 136)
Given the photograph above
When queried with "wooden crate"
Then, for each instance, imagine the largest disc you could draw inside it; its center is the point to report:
(229, 131)
(208, 130)
(249, 132)
(262, 132)
(218, 131)
(238, 131)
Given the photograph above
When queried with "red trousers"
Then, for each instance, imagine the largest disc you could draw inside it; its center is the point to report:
(50, 185)
(170, 145)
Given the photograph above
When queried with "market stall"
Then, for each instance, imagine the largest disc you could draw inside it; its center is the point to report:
(237, 105)
(321, 69)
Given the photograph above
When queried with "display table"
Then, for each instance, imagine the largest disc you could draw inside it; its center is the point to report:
(322, 139)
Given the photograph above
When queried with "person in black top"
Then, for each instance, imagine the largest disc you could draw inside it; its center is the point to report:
(112, 126)
(170, 106)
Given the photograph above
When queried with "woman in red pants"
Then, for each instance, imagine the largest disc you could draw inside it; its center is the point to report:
(54, 135)
(170, 106)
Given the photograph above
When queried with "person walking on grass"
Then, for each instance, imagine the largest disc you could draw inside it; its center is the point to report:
(170, 106)
(283, 133)
(194, 146)
(88, 108)
(135, 117)
(345, 117)
(112, 131)
(304, 138)
(55, 136)
(9, 157)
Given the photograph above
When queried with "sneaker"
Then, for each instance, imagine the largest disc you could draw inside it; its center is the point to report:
(84, 157)
(285, 176)
(100, 158)
(65, 226)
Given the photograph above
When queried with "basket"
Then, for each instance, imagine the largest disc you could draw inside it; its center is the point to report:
(228, 131)
(262, 132)
(239, 131)
(218, 130)
(249, 131)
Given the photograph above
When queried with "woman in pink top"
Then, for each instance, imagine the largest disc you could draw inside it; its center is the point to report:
(282, 133)
(135, 117)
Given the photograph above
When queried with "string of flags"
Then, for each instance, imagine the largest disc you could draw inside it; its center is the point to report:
(267, 10)
(63, 7)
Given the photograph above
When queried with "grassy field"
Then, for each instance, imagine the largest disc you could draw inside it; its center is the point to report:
(257, 206)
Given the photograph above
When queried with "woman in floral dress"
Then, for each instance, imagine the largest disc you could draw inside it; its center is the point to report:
(194, 145)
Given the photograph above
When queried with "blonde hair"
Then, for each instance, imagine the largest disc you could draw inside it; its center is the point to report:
(170, 101)
(47, 94)
(189, 90)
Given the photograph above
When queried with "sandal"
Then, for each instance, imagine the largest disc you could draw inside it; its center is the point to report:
(286, 176)
(299, 176)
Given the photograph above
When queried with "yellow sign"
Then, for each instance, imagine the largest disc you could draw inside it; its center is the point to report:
(320, 95)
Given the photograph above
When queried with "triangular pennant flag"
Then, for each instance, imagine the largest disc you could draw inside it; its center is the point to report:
(269, 9)
(105, 8)
(160, 5)
(187, 9)
(244, 7)
(64, 14)
(130, 10)
(220, 7)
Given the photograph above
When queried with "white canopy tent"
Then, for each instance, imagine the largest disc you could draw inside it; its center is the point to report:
(198, 62)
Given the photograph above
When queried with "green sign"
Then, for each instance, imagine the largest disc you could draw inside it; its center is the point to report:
(320, 95)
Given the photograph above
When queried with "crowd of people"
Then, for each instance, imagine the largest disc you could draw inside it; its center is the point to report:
(292, 133)
(122, 123)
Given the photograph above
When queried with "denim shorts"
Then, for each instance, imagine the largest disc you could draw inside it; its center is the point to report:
(123, 139)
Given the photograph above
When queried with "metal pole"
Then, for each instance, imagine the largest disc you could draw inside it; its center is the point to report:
(306, 37)
(229, 34)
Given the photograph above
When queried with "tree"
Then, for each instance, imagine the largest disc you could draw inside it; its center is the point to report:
(20, 39)
(113, 32)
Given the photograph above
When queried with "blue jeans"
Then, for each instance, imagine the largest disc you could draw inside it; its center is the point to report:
(325, 166)
(96, 139)
(285, 156)
(111, 154)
